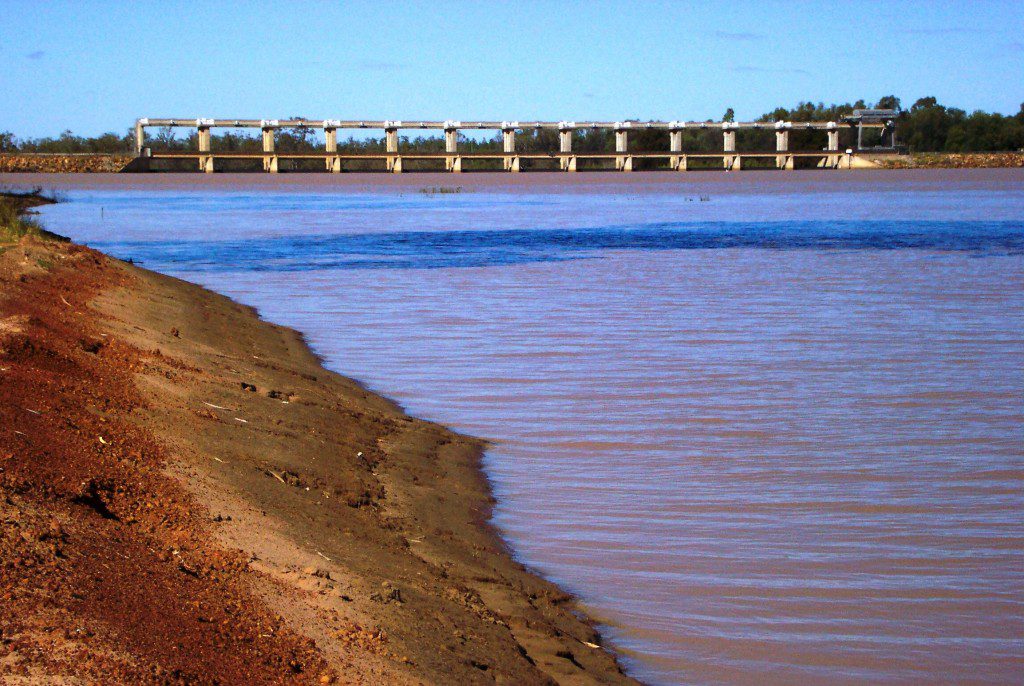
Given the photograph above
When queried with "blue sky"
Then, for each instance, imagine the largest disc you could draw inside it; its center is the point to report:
(94, 66)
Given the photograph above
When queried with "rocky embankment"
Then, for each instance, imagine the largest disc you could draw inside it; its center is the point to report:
(188, 496)
(62, 164)
(976, 160)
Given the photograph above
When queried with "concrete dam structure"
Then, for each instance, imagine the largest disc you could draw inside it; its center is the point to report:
(623, 158)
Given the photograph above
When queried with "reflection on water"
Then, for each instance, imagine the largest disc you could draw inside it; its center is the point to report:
(763, 447)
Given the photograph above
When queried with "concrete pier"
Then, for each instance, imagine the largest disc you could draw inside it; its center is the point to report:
(567, 161)
(782, 145)
(826, 154)
(453, 162)
(510, 162)
(623, 162)
(332, 161)
(393, 163)
(203, 136)
(833, 136)
(269, 160)
(140, 136)
(832, 161)
(730, 161)
(675, 144)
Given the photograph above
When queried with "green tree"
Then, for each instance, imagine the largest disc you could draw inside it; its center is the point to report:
(888, 102)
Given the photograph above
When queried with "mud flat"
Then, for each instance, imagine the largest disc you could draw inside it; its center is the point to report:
(188, 496)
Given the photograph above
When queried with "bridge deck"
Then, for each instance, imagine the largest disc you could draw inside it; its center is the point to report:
(498, 155)
(191, 122)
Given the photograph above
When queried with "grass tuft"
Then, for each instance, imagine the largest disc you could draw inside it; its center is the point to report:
(14, 225)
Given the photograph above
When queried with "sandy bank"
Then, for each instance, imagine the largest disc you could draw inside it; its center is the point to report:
(189, 497)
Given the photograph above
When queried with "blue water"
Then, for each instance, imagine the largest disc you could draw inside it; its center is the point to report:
(769, 432)
(474, 248)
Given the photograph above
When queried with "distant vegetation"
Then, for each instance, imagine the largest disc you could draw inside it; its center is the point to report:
(926, 126)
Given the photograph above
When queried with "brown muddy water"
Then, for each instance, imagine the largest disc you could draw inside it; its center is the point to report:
(769, 427)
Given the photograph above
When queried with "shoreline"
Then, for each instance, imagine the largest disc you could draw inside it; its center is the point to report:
(271, 493)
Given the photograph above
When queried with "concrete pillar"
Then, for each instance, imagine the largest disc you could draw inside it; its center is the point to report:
(565, 140)
(203, 127)
(621, 137)
(269, 161)
(566, 161)
(675, 140)
(675, 144)
(508, 140)
(204, 139)
(205, 161)
(508, 144)
(453, 162)
(393, 162)
(140, 136)
(623, 162)
(332, 162)
(565, 129)
(832, 161)
(451, 136)
(782, 145)
(728, 139)
(391, 136)
(730, 159)
(781, 140)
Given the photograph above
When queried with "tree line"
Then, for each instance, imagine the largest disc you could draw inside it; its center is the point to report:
(926, 126)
